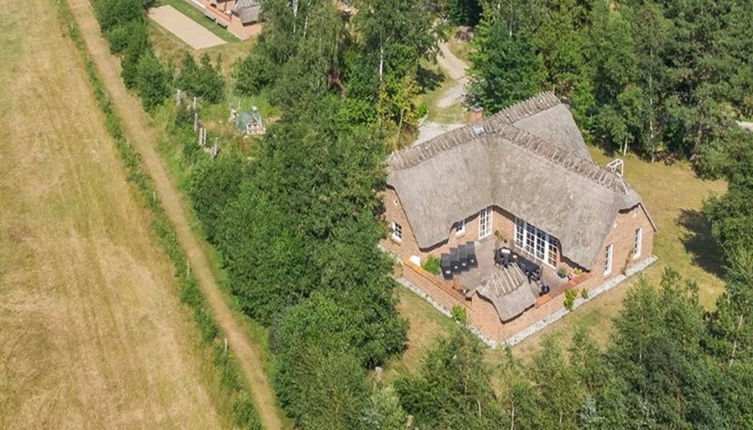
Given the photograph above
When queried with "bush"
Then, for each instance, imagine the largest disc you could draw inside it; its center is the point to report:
(120, 36)
(112, 13)
(584, 293)
(459, 315)
(562, 271)
(570, 296)
(152, 81)
(203, 81)
(431, 265)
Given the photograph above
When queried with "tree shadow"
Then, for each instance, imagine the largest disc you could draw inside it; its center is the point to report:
(428, 79)
(698, 241)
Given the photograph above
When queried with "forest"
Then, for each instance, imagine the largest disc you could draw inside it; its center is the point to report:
(296, 217)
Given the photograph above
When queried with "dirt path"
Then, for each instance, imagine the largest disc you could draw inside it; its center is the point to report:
(92, 331)
(143, 137)
(456, 69)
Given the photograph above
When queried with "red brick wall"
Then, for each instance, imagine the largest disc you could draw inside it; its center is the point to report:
(621, 236)
(502, 221)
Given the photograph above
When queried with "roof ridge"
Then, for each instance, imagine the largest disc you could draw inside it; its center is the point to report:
(525, 108)
(568, 160)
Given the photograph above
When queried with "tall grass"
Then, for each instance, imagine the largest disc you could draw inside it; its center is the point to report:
(232, 383)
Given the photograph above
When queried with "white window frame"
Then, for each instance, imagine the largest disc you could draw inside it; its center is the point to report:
(485, 220)
(460, 228)
(397, 232)
(608, 254)
(520, 233)
(637, 243)
(528, 234)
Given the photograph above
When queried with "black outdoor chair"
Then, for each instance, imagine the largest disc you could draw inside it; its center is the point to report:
(455, 261)
(470, 249)
(446, 265)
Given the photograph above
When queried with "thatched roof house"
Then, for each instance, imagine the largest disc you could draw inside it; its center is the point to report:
(529, 160)
(526, 175)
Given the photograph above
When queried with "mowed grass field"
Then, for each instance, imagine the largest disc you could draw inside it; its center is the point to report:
(92, 333)
(674, 197)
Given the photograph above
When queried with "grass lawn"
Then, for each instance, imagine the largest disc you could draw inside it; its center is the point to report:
(198, 16)
(674, 197)
(168, 46)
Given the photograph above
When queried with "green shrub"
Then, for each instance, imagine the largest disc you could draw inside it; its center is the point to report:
(562, 271)
(584, 293)
(152, 81)
(121, 35)
(570, 296)
(459, 315)
(431, 265)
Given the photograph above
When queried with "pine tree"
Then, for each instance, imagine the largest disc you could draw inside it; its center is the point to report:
(506, 68)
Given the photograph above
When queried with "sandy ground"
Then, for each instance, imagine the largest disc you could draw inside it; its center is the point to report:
(430, 130)
(184, 28)
(92, 334)
(456, 69)
(143, 138)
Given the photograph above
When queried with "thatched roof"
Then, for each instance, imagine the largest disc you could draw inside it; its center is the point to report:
(545, 116)
(247, 10)
(509, 292)
(548, 183)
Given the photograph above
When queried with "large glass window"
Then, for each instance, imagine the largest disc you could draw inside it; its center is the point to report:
(485, 223)
(530, 238)
(536, 242)
(553, 252)
(520, 232)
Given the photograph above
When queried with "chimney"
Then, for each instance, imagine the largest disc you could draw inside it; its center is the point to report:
(477, 114)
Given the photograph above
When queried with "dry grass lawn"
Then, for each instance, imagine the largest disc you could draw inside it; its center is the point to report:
(92, 332)
(674, 196)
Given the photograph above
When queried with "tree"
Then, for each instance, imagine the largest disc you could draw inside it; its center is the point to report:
(384, 411)
(656, 347)
(214, 184)
(152, 81)
(731, 324)
(730, 215)
(506, 68)
(138, 44)
(452, 388)
(204, 81)
(113, 13)
(462, 12)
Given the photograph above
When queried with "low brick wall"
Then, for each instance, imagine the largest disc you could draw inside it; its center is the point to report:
(441, 291)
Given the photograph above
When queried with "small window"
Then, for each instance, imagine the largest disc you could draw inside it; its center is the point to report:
(397, 232)
(637, 243)
(608, 260)
(460, 228)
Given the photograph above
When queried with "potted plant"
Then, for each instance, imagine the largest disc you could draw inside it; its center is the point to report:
(500, 238)
(562, 272)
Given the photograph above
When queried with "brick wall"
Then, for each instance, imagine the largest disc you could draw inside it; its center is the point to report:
(502, 221)
(621, 237)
